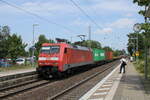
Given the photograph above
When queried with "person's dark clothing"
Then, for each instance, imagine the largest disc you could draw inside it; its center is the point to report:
(123, 64)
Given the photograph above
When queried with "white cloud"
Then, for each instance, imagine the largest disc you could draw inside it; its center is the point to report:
(41, 8)
(129, 14)
(115, 5)
(123, 23)
(63, 7)
(104, 31)
(79, 22)
(47, 7)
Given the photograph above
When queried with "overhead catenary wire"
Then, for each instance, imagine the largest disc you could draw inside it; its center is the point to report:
(75, 4)
(35, 15)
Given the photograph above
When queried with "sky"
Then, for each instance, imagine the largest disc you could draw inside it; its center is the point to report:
(62, 19)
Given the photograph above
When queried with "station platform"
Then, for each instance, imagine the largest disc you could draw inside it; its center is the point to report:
(18, 71)
(118, 86)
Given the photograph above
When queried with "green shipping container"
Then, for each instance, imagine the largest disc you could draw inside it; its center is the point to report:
(98, 54)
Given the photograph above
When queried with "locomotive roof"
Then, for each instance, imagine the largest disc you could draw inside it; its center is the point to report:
(68, 45)
(80, 47)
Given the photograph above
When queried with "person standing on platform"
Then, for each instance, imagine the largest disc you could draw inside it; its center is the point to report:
(123, 64)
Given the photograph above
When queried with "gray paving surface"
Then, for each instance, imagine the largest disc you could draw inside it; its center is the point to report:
(130, 87)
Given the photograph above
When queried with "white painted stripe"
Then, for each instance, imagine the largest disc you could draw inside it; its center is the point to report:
(97, 99)
(100, 93)
(113, 89)
(108, 82)
(104, 89)
(106, 85)
(89, 93)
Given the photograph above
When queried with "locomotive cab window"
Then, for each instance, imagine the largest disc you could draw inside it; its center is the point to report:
(54, 49)
(50, 49)
(45, 50)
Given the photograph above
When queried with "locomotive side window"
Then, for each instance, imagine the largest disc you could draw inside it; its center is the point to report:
(50, 49)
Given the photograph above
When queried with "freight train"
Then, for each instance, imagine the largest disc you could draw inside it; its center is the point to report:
(58, 58)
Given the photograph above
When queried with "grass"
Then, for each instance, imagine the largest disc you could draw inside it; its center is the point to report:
(140, 68)
(16, 67)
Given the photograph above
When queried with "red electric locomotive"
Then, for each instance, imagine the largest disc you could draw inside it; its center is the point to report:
(56, 58)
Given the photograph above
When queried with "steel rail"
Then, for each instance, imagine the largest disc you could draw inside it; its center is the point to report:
(7, 94)
(79, 83)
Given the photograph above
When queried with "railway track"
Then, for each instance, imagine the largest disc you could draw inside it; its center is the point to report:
(13, 84)
(10, 81)
(52, 89)
(11, 91)
(64, 92)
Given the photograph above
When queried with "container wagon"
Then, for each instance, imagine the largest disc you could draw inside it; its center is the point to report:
(99, 56)
(109, 56)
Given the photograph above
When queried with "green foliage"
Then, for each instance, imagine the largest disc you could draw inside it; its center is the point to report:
(4, 34)
(132, 43)
(140, 66)
(142, 2)
(11, 45)
(107, 48)
(142, 12)
(89, 43)
(146, 33)
(16, 48)
(118, 53)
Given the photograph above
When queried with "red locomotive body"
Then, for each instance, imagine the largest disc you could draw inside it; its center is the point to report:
(60, 57)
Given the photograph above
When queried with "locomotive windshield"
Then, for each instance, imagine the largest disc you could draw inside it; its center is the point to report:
(50, 49)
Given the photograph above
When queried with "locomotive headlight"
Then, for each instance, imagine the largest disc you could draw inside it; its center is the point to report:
(54, 58)
(42, 58)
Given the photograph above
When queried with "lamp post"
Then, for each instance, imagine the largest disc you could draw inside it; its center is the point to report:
(89, 32)
(33, 47)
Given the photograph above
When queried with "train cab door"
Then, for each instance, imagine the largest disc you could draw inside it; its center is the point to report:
(67, 53)
(67, 58)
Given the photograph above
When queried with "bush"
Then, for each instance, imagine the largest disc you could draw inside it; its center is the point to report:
(140, 66)
(149, 66)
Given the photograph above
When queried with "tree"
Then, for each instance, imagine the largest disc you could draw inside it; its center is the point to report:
(16, 48)
(4, 34)
(132, 43)
(142, 2)
(107, 48)
(89, 43)
(118, 53)
(144, 26)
